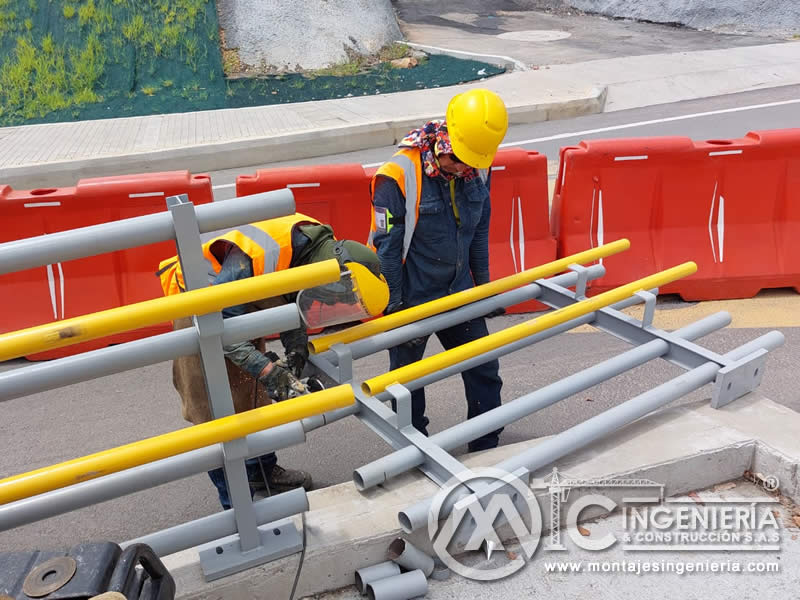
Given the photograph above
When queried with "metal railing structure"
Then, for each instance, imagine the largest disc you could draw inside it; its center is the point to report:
(237, 539)
(251, 533)
(733, 374)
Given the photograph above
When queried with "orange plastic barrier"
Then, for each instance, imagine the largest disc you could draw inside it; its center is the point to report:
(78, 287)
(519, 235)
(732, 206)
(339, 195)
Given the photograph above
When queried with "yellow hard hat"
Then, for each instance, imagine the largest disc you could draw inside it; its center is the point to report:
(477, 122)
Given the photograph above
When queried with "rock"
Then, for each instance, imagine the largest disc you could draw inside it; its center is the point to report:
(404, 63)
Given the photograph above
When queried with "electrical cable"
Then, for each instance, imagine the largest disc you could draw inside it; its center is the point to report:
(302, 556)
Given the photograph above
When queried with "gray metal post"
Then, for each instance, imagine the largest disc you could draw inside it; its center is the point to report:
(209, 329)
(52, 374)
(398, 462)
(216, 526)
(80, 495)
(583, 434)
(138, 231)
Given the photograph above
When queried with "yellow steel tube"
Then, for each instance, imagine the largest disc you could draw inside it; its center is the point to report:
(173, 443)
(133, 316)
(440, 305)
(456, 355)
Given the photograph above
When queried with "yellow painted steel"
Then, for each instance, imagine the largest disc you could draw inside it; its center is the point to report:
(195, 302)
(440, 305)
(456, 355)
(170, 444)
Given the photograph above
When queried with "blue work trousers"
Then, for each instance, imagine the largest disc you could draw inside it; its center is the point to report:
(253, 475)
(482, 384)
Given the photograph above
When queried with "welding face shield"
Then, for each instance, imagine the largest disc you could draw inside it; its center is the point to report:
(359, 294)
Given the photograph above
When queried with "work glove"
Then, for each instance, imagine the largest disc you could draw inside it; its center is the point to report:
(414, 342)
(279, 382)
(497, 312)
(296, 361)
(295, 342)
(393, 308)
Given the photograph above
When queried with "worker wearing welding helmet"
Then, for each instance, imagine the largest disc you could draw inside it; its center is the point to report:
(256, 377)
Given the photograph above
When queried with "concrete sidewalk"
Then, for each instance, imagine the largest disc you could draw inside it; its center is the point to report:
(61, 153)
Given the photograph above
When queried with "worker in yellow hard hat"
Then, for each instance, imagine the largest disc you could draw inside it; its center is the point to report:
(430, 228)
(256, 376)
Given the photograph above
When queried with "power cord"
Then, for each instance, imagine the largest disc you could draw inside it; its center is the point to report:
(302, 515)
(302, 556)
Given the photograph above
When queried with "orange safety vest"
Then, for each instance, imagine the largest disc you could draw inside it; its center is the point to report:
(405, 168)
(267, 243)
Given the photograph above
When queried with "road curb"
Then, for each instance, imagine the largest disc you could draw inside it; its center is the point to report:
(255, 151)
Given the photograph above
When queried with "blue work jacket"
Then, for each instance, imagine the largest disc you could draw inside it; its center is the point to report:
(446, 255)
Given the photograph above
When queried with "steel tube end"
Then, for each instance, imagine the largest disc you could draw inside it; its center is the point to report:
(408, 556)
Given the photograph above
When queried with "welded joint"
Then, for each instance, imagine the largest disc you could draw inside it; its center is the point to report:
(402, 398)
(649, 307)
(737, 379)
(583, 279)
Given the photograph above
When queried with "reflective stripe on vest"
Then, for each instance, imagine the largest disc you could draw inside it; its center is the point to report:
(267, 243)
(405, 168)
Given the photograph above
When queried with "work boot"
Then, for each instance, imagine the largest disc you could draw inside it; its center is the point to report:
(282, 480)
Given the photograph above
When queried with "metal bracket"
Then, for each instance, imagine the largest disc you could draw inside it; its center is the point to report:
(583, 278)
(225, 556)
(738, 379)
(649, 307)
(344, 358)
(402, 398)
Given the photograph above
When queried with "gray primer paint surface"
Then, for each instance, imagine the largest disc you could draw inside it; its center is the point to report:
(312, 34)
(771, 17)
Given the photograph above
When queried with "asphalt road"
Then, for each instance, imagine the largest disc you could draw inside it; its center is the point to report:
(723, 117)
(50, 427)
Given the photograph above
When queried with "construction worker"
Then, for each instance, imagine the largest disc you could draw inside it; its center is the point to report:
(257, 377)
(430, 228)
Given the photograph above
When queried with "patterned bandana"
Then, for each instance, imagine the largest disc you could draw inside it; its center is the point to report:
(432, 141)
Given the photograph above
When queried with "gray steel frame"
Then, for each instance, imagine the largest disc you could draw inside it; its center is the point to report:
(253, 533)
(250, 527)
(735, 374)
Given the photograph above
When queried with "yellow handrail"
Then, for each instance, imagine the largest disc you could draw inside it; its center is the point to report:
(150, 312)
(169, 444)
(469, 350)
(440, 305)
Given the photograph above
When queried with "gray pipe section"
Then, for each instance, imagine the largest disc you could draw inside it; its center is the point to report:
(94, 491)
(222, 524)
(57, 373)
(408, 556)
(400, 587)
(599, 426)
(399, 462)
(373, 573)
(389, 339)
(138, 231)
